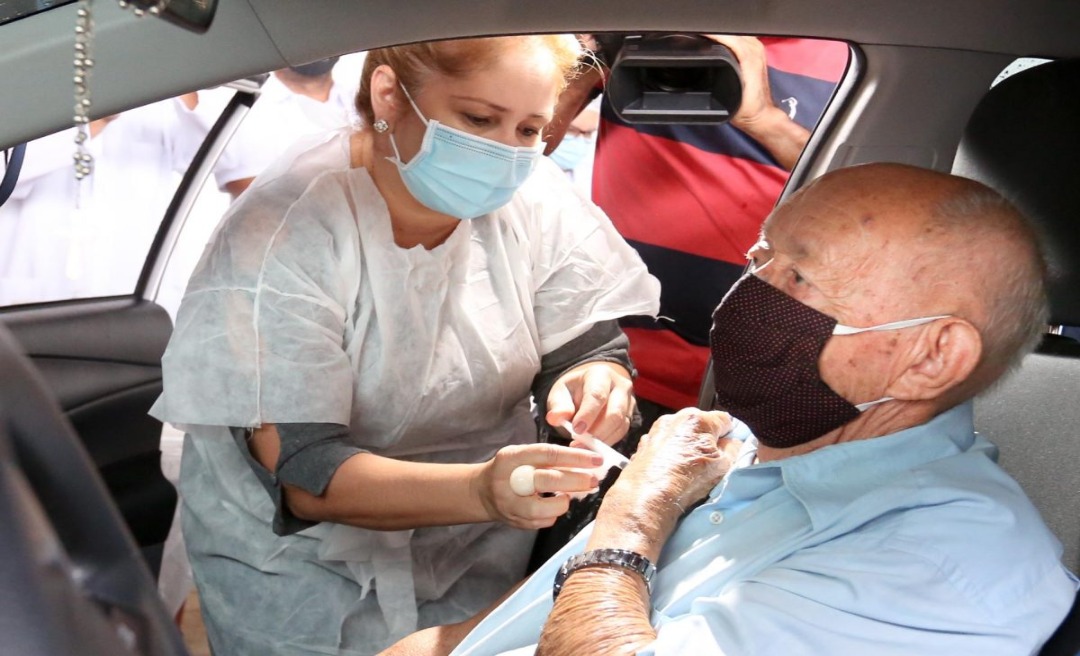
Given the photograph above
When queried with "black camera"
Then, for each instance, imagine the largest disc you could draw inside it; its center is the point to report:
(674, 78)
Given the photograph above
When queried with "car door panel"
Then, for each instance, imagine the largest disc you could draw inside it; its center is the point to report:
(102, 360)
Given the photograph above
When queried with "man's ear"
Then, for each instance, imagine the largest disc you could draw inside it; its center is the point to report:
(947, 352)
(385, 94)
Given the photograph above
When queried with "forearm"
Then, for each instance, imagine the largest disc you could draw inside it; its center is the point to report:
(314, 473)
(781, 136)
(441, 640)
(604, 342)
(571, 101)
(434, 641)
(612, 602)
(606, 609)
(323, 477)
(380, 493)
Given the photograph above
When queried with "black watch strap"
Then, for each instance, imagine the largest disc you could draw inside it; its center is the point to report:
(623, 558)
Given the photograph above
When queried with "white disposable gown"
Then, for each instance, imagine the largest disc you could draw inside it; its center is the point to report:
(304, 310)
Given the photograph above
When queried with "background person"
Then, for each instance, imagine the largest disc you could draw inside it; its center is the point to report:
(691, 199)
(576, 150)
(294, 103)
(358, 348)
(61, 238)
(856, 511)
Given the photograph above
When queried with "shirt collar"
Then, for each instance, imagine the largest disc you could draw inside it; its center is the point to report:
(826, 480)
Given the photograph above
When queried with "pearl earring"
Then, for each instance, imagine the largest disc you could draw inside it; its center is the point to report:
(381, 126)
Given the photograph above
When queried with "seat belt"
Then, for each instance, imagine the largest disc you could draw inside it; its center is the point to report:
(13, 162)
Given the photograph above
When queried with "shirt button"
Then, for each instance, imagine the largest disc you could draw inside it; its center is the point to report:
(716, 517)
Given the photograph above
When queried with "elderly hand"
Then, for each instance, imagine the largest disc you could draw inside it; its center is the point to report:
(556, 473)
(596, 398)
(678, 462)
(681, 459)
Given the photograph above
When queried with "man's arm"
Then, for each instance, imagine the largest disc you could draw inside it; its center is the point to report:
(606, 610)
(758, 117)
(441, 640)
(581, 90)
(572, 100)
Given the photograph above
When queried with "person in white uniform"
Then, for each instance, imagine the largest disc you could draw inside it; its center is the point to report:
(356, 355)
(294, 103)
(61, 238)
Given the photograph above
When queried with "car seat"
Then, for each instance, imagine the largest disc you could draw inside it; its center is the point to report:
(72, 577)
(1023, 139)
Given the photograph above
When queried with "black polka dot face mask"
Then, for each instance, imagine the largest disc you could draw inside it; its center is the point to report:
(765, 349)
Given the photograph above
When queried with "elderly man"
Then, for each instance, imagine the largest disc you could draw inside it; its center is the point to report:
(852, 510)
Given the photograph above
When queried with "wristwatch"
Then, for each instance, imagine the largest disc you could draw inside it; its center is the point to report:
(623, 558)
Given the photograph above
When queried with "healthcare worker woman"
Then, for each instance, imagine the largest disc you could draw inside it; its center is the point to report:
(355, 355)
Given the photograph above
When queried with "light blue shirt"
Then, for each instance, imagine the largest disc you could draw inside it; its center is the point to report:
(910, 543)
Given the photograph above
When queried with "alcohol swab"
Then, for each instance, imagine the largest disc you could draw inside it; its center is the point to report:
(612, 458)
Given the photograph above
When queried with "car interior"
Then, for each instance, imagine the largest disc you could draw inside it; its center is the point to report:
(1026, 417)
(82, 493)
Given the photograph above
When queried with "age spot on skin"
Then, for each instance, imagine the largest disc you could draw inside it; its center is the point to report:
(890, 347)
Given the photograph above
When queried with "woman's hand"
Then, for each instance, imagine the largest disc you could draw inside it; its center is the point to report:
(557, 472)
(596, 398)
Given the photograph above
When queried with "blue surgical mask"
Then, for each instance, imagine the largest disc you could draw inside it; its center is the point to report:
(572, 151)
(460, 174)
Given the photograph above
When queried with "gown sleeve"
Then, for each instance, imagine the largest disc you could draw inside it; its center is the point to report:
(259, 335)
(584, 272)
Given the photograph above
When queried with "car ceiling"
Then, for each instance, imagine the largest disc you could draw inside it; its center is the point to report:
(141, 60)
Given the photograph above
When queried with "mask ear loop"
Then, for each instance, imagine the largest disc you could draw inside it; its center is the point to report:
(752, 270)
(426, 122)
(861, 407)
(411, 102)
(841, 329)
(755, 269)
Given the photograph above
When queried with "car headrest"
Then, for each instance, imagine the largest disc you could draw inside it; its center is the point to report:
(1023, 139)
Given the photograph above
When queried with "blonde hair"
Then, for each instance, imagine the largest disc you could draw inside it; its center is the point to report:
(414, 62)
